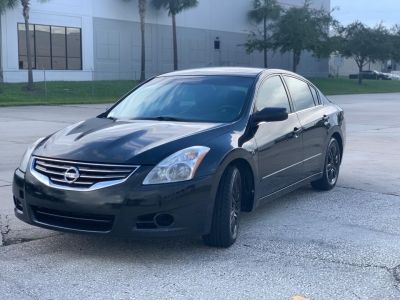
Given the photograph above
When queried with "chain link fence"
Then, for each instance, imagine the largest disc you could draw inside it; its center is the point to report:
(64, 87)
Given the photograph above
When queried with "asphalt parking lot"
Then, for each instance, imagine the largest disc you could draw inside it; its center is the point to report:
(343, 244)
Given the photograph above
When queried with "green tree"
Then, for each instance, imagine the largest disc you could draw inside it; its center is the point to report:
(6, 4)
(265, 12)
(364, 44)
(142, 4)
(303, 29)
(395, 44)
(10, 4)
(174, 7)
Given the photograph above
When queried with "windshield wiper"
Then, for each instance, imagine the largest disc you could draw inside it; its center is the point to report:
(110, 118)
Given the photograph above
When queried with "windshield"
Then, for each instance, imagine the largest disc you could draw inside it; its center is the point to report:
(217, 99)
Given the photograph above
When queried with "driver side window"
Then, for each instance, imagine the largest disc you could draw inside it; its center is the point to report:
(272, 94)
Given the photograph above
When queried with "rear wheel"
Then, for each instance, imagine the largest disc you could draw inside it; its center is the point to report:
(331, 168)
(225, 223)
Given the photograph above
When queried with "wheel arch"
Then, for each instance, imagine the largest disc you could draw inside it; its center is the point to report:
(248, 183)
(339, 138)
(244, 161)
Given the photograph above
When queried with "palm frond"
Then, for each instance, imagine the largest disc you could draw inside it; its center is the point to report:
(7, 4)
(174, 7)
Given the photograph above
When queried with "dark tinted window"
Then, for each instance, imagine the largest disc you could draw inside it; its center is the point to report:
(22, 53)
(74, 48)
(52, 47)
(191, 98)
(42, 43)
(300, 92)
(315, 95)
(59, 48)
(272, 93)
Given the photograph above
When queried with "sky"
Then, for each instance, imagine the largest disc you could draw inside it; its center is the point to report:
(370, 12)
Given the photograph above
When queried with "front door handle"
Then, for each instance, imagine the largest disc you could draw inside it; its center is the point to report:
(296, 132)
(325, 119)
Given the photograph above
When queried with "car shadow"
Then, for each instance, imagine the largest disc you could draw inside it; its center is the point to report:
(166, 250)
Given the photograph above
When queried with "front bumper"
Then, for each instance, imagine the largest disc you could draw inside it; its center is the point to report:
(128, 209)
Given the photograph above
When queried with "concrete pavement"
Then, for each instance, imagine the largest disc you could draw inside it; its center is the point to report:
(343, 244)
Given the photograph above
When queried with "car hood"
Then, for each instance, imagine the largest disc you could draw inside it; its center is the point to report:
(109, 141)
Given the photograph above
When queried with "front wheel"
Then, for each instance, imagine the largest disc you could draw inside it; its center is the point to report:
(331, 168)
(225, 223)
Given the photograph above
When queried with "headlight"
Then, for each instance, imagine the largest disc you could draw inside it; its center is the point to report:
(23, 165)
(180, 166)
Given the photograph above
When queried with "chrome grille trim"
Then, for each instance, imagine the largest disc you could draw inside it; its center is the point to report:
(103, 171)
(92, 176)
(78, 182)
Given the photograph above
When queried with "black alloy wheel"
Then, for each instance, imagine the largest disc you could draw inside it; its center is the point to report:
(331, 167)
(225, 223)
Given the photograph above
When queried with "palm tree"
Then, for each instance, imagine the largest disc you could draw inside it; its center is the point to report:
(25, 12)
(175, 7)
(142, 13)
(264, 11)
(142, 4)
(10, 4)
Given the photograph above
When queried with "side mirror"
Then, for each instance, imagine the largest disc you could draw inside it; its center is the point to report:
(270, 114)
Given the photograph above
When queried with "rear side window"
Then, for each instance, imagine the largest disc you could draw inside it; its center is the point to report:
(272, 93)
(315, 95)
(300, 92)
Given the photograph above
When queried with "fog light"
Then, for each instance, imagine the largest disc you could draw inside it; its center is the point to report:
(163, 220)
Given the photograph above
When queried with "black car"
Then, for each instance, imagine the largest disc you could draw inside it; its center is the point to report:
(372, 75)
(184, 153)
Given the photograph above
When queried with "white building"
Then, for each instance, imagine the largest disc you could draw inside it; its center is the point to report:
(341, 66)
(100, 39)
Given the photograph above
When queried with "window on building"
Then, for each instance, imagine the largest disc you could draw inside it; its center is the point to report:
(74, 48)
(23, 55)
(52, 47)
(58, 48)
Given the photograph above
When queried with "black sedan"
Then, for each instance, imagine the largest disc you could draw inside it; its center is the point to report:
(373, 75)
(184, 153)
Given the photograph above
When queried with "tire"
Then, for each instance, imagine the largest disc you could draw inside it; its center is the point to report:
(331, 168)
(226, 216)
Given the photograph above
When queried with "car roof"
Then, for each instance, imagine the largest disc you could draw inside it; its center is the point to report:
(225, 71)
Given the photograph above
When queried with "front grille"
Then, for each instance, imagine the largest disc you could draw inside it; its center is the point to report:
(81, 174)
(69, 220)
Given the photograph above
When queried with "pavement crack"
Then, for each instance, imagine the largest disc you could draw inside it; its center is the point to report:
(15, 241)
(396, 276)
(4, 229)
(334, 261)
(393, 271)
(362, 190)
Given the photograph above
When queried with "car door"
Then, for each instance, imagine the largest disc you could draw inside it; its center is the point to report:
(279, 144)
(314, 121)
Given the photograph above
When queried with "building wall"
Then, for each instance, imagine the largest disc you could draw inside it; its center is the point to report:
(117, 51)
(111, 41)
(55, 12)
(339, 66)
